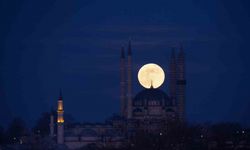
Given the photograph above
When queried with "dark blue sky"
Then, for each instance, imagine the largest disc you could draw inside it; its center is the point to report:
(75, 45)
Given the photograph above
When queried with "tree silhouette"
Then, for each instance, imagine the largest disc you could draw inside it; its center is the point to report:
(2, 135)
(16, 130)
(42, 125)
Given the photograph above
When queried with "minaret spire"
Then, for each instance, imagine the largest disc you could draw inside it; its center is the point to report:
(172, 76)
(60, 120)
(181, 84)
(129, 82)
(151, 84)
(122, 84)
(60, 94)
(51, 124)
(129, 48)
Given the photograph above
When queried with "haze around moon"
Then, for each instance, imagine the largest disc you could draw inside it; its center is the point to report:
(151, 76)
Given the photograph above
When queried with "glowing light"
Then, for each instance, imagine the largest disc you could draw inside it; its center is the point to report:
(151, 76)
(60, 112)
(60, 120)
(60, 105)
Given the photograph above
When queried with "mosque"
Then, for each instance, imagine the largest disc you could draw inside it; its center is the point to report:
(149, 109)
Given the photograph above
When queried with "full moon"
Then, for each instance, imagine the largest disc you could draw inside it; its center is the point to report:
(151, 76)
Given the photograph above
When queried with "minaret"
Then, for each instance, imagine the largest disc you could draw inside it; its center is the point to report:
(172, 76)
(129, 82)
(181, 84)
(51, 125)
(60, 120)
(123, 84)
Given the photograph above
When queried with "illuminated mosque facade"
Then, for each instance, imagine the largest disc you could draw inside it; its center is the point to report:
(149, 109)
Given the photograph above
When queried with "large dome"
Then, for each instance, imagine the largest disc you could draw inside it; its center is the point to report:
(156, 95)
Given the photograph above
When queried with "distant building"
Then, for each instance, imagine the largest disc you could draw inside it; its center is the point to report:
(152, 108)
(148, 110)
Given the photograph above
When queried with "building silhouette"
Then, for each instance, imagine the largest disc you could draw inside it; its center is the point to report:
(149, 109)
(154, 103)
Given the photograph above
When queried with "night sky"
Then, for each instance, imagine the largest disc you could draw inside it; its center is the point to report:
(75, 45)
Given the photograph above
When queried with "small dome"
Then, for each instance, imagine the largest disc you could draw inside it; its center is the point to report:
(152, 95)
(137, 110)
(89, 133)
(169, 110)
(112, 133)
